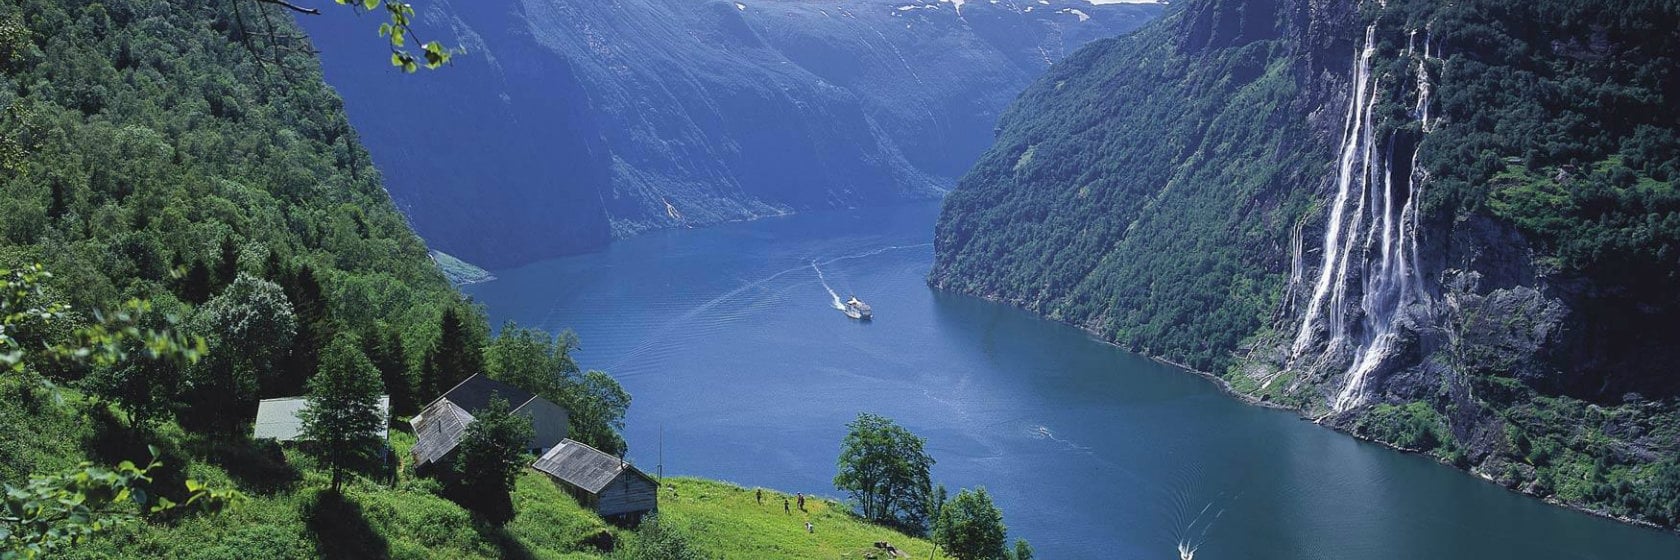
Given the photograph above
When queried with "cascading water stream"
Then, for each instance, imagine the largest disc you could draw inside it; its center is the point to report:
(1333, 235)
(1374, 247)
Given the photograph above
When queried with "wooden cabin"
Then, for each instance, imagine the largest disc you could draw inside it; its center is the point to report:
(616, 490)
(439, 427)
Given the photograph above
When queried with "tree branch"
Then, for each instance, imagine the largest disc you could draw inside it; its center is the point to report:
(293, 7)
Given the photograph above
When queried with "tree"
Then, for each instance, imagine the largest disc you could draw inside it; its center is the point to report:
(315, 329)
(457, 354)
(885, 470)
(1023, 551)
(251, 326)
(147, 385)
(936, 503)
(384, 347)
(343, 419)
(489, 459)
(970, 527)
(530, 359)
(597, 404)
(227, 269)
(195, 283)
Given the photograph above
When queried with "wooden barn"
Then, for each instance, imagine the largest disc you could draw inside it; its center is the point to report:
(613, 488)
(439, 427)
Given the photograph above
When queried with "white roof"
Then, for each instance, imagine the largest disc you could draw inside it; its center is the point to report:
(277, 419)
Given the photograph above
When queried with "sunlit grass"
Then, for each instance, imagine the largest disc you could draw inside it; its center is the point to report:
(726, 520)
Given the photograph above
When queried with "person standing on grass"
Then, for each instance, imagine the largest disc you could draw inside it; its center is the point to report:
(785, 508)
(801, 501)
(760, 495)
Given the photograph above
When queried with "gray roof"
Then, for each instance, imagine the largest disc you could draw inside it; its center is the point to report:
(473, 394)
(277, 419)
(583, 466)
(438, 429)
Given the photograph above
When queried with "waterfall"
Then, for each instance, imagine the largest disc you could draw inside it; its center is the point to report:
(1358, 110)
(1373, 248)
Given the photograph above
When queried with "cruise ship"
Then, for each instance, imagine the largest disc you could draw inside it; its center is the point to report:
(857, 309)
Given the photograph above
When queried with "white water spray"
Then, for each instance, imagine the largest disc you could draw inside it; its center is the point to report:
(824, 280)
(1193, 539)
(1354, 130)
(1374, 248)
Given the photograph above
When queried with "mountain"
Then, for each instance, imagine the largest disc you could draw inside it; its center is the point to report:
(567, 123)
(1448, 227)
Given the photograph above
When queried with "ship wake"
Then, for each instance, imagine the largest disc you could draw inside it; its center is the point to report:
(831, 293)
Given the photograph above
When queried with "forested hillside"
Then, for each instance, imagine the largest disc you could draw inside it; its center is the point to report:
(1448, 227)
(573, 122)
(211, 233)
(149, 156)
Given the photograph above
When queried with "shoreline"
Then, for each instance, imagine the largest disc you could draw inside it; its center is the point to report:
(1226, 388)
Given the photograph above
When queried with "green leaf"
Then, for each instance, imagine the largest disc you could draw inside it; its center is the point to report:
(370, 4)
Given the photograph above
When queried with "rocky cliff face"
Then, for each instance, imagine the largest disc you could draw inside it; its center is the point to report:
(1451, 228)
(570, 122)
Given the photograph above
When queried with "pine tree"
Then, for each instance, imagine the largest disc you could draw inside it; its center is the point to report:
(457, 354)
(384, 347)
(195, 286)
(315, 330)
(227, 269)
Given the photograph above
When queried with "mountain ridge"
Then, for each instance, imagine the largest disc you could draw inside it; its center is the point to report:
(605, 120)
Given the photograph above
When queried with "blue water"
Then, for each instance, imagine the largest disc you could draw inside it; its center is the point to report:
(733, 352)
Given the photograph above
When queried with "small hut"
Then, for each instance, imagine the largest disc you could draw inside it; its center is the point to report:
(613, 488)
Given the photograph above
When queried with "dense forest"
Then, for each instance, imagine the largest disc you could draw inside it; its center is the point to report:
(188, 224)
(1170, 190)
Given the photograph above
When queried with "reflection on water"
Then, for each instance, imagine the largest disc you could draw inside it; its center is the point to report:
(728, 340)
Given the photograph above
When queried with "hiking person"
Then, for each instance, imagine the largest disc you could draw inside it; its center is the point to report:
(801, 501)
(785, 508)
(760, 493)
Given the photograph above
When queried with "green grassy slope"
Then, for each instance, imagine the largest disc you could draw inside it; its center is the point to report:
(726, 520)
(299, 519)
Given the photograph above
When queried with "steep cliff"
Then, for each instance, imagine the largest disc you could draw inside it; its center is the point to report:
(1451, 228)
(567, 123)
